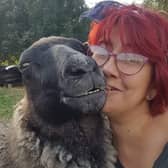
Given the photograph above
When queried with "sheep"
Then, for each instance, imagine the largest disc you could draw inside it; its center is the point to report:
(59, 123)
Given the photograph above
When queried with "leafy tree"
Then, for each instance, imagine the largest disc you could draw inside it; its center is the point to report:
(157, 4)
(23, 22)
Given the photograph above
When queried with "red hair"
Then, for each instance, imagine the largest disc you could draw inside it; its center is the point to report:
(145, 32)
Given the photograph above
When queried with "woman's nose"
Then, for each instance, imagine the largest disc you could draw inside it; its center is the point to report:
(110, 68)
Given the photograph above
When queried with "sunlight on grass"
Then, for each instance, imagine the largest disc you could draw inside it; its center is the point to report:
(8, 98)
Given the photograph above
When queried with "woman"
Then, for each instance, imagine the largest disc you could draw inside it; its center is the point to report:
(130, 44)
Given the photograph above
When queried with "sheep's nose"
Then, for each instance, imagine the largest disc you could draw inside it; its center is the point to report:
(80, 70)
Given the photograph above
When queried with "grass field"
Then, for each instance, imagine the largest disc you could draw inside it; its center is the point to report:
(8, 98)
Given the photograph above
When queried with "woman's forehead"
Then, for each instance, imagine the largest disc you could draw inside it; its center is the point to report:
(115, 41)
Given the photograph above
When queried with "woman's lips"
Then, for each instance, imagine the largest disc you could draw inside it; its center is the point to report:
(112, 88)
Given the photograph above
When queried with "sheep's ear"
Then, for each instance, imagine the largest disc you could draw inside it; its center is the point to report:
(13, 70)
(10, 75)
(23, 66)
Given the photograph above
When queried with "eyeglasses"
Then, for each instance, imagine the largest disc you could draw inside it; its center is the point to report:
(127, 63)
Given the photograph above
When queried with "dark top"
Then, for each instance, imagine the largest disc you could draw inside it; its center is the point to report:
(161, 162)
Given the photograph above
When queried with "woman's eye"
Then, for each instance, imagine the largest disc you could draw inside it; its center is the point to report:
(130, 58)
(99, 56)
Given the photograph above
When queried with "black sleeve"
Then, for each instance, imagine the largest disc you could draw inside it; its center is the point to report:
(118, 164)
(162, 161)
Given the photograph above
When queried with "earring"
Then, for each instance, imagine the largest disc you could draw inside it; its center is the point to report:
(149, 97)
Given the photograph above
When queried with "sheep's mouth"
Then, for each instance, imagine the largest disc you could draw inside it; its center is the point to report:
(90, 92)
(87, 93)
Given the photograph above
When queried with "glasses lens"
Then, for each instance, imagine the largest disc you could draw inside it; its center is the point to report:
(130, 63)
(100, 54)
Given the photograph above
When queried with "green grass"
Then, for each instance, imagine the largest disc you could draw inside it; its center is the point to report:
(8, 98)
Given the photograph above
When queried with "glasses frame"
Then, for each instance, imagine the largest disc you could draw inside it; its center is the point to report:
(111, 54)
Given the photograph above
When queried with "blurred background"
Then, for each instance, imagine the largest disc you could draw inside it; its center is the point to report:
(25, 21)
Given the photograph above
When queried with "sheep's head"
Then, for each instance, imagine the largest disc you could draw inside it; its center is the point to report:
(60, 80)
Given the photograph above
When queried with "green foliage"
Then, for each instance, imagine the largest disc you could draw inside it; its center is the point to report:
(8, 60)
(157, 4)
(8, 99)
(12, 60)
(23, 22)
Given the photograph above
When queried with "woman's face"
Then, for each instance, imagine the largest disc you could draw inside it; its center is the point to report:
(125, 92)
